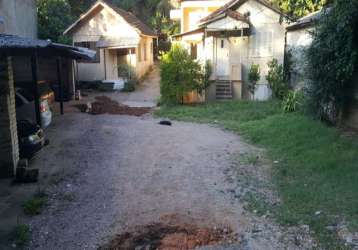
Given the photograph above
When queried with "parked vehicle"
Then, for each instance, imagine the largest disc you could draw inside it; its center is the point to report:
(31, 138)
(25, 108)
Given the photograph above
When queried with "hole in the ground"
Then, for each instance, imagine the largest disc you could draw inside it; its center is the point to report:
(169, 237)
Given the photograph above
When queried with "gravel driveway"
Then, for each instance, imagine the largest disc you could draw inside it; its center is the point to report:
(108, 174)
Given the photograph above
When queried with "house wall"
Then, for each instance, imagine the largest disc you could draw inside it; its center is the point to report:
(142, 66)
(9, 150)
(297, 43)
(262, 19)
(103, 24)
(18, 17)
(242, 49)
(193, 11)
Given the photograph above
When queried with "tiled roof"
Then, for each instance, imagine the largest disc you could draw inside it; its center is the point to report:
(134, 21)
(234, 4)
(308, 20)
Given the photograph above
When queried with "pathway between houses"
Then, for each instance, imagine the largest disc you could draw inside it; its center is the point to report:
(111, 174)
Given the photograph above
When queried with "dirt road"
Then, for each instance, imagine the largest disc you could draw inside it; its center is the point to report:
(110, 174)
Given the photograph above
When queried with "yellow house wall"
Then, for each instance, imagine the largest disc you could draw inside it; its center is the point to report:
(142, 66)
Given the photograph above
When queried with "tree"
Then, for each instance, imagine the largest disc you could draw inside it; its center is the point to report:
(78, 7)
(333, 60)
(276, 79)
(180, 74)
(300, 8)
(254, 77)
(54, 16)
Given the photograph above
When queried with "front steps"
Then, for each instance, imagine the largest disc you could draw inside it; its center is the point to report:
(224, 90)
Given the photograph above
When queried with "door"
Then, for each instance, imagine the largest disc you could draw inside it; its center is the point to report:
(222, 57)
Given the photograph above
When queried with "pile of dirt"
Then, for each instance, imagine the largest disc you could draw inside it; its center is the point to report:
(105, 105)
(169, 237)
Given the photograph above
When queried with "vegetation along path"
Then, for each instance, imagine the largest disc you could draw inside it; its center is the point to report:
(314, 167)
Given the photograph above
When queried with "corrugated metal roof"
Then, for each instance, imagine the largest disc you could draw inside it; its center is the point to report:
(11, 43)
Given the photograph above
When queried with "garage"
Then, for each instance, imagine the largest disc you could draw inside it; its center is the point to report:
(20, 59)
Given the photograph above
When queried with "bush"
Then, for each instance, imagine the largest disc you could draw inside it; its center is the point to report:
(129, 86)
(127, 72)
(276, 79)
(254, 77)
(180, 74)
(292, 101)
(21, 235)
(333, 60)
(206, 74)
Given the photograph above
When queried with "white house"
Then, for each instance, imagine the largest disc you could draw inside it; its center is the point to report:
(232, 36)
(119, 38)
(299, 38)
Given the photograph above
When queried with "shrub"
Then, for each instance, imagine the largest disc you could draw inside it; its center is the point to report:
(21, 235)
(127, 72)
(35, 205)
(206, 74)
(181, 74)
(254, 77)
(129, 86)
(333, 60)
(292, 101)
(276, 79)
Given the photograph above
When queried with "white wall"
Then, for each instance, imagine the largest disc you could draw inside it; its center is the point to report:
(103, 24)
(18, 17)
(297, 43)
(263, 19)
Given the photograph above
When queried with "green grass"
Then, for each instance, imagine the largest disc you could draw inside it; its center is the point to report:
(317, 168)
(21, 235)
(35, 205)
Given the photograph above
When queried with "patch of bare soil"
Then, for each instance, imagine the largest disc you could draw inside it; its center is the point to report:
(168, 237)
(105, 105)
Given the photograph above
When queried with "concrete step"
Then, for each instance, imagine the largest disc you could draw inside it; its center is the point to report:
(223, 90)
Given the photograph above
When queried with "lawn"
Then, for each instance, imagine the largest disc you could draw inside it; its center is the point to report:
(317, 170)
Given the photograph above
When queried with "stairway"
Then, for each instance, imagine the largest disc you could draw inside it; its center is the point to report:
(223, 90)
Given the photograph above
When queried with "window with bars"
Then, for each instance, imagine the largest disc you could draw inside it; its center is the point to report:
(262, 44)
(91, 46)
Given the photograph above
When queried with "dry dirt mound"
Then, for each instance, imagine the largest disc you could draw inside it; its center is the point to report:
(105, 105)
(168, 237)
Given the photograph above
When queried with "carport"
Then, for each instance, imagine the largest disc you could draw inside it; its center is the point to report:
(32, 49)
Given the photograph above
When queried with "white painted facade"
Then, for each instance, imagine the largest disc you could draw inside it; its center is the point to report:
(232, 57)
(297, 43)
(105, 25)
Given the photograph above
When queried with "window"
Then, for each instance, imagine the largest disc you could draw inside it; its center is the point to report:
(222, 43)
(194, 51)
(262, 44)
(139, 52)
(145, 51)
(92, 46)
